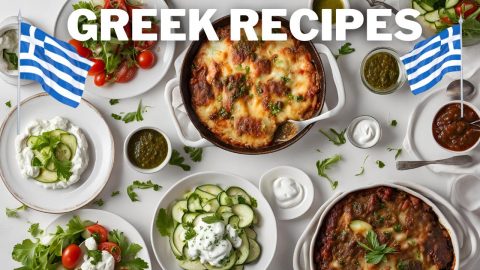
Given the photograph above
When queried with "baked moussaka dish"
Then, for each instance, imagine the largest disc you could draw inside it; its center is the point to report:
(383, 228)
(243, 90)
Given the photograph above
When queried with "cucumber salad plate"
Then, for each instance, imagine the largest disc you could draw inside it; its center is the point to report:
(51, 164)
(214, 221)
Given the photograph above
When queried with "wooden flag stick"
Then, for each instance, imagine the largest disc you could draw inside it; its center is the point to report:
(18, 65)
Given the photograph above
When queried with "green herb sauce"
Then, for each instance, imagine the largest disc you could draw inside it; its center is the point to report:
(318, 5)
(147, 148)
(381, 71)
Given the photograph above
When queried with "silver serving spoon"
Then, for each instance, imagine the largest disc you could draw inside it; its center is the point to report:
(457, 160)
(380, 3)
(453, 90)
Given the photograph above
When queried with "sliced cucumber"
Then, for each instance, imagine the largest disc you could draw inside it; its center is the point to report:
(191, 265)
(426, 6)
(173, 248)
(211, 205)
(200, 218)
(419, 8)
(254, 252)
(71, 141)
(245, 213)
(212, 189)
(51, 166)
(250, 233)
(451, 3)
(224, 199)
(238, 267)
(229, 263)
(226, 217)
(360, 227)
(58, 132)
(194, 203)
(237, 192)
(205, 196)
(63, 152)
(243, 250)
(179, 237)
(178, 210)
(31, 140)
(223, 209)
(188, 218)
(234, 220)
(432, 16)
(47, 176)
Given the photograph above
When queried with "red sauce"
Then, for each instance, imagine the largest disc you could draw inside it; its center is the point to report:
(453, 132)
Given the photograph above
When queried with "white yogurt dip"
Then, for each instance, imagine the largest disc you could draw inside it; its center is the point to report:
(106, 263)
(365, 132)
(288, 193)
(210, 244)
(25, 154)
(8, 42)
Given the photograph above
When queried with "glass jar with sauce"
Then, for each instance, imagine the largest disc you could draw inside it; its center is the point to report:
(334, 5)
(382, 71)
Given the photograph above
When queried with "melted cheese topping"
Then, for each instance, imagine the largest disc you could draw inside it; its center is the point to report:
(243, 90)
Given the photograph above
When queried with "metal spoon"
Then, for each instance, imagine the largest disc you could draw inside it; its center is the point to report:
(379, 3)
(457, 160)
(453, 90)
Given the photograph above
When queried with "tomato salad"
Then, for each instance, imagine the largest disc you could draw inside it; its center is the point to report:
(115, 61)
(81, 245)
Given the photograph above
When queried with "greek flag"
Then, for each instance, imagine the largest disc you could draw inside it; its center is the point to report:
(53, 63)
(431, 59)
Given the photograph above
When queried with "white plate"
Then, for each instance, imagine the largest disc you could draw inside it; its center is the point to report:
(266, 228)
(110, 222)
(145, 79)
(419, 141)
(100, 151)
(266, 187)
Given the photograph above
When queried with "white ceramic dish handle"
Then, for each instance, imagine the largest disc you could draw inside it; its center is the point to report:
(171, 85)
(337, 79)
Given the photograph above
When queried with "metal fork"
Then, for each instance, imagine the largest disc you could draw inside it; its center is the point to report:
(380, 3)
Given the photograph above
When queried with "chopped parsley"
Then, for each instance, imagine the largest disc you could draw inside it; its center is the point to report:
(275, 107)
(393, 123)
(99, 202)
(397, 150)
(35, 230)
(376, 253)
(195, 153)
(380, 164)
(115, 193)
(345, 50)
(114, 101)
(95, 256)
(337, 138)
(213, 218)
(140, 185)
(178, 160)
(324, 165)
(285, 79)
(8, 104)
(132, 116)
(362, 168)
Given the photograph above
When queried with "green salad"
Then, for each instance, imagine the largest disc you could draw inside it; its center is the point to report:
(212, 228)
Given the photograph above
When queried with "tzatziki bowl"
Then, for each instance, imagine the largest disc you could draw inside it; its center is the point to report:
(238, 220)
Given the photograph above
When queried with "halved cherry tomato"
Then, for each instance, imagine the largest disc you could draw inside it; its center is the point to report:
(113, 249)
(115, 4)
(125, 72)
(101, 234)
(146, 59)
(148, 44)
(100, 79)
(82, 51)
(98, 66)
(70, 256)
(466, 7)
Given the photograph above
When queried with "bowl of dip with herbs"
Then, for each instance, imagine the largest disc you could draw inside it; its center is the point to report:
(382, 71)
(147, 149)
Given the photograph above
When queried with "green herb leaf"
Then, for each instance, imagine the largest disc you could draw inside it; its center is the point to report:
(129, 251)
(324, 165)
(345, 50)
(362, 169)
(337, 138)
(35, 230)
(190, 233)
(140, 185)
(99, 202)
(397, 228)
(275, 107)
(116, 116)
(164, 223)
(398, 151)
(393, 123)
(213, 218)
(8, 104)
(95, 256)
(14, 212)
(132, 116)
(380, 164)
(114, 101)
(195, 153)
(115, 193)
(376, 252)
(11, 58)
(177, 160)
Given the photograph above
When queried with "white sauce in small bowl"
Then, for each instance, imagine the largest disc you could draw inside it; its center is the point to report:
(288, 192)
(364, 132)
(8, 42)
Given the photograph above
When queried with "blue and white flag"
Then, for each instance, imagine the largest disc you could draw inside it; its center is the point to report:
(431, 59)
(53, 63)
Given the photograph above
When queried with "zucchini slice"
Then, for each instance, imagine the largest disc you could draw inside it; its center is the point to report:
(188, 218)
(71, 141)
(419, 8)
(194, 203)
(212, 189)
(178, 210)
(224, 199)
(179, 237)
(243, 250)
(451, 3)
(205, 196)
(211, 206)
(250, 233)
(255, 251)
(237, 193)
(63, 152)
(426, 6)
(47, 176)
(432, 16)
(245, 213)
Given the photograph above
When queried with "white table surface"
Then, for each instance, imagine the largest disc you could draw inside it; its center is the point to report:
(303, 154)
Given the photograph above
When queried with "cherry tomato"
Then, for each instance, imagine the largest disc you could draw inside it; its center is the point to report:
(113, 249)
(466, 7)
(98, 66)
(148, 44)
(101, 234)
(82, 51)
(125, 72)
(146, 59)
(70, 256)
(446, 20)
(115, 4)
(100, 79)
